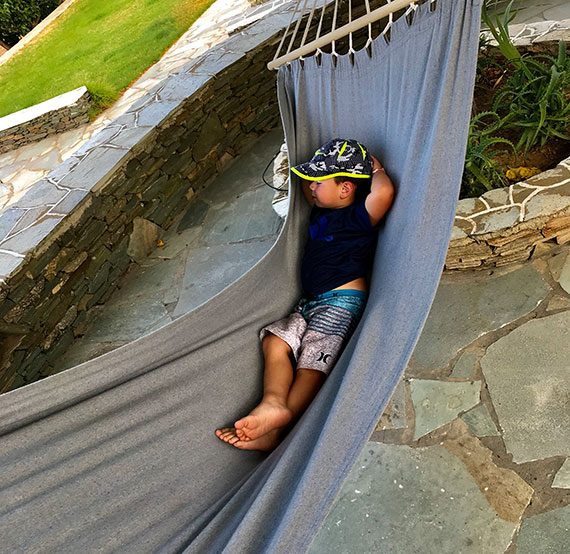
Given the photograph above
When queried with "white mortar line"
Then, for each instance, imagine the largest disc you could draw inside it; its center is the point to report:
(511, 199)
(553, 26)
(545, 187)
(487, 205)
(525, 201)
(10, 253)
(496, 209)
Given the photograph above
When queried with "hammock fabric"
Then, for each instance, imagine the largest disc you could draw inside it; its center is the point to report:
(119, 454)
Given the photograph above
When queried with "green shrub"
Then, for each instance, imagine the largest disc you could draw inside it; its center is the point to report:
(19, 17)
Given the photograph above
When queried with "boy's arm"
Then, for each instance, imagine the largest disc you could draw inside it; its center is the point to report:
(307, 191)
(381, 193)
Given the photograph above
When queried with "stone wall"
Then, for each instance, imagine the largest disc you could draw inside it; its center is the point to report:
(504, 226)
(147, 164)
(38, 122)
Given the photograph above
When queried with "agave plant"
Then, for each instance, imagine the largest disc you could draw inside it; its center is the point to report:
(537, 93)
(500, 31)
(481, 171)
(539, 106)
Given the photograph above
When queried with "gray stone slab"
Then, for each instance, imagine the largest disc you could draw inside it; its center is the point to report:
(211, 62)
(545, 204)
(8, 263)
(98, 138)
(29, 218)
(180, 86)
(464, 366)
(160, 324)
(31, 237)
(438, 402)
(466, 307)
(127, 138)
(402, 500)
(211, 269)
(69, 201)
(83, 350)
(8, 220)
(42, 194)
(564, 278)
(246, 172)
(195, 215)
(480, 422)
(556, 264)
(527, 376)
(394, 416)
(127, 321)
(175, 243)
(63, 169)
(96, 166)
(249, 216)
(151, 113)
(147, 281)
(545, 533)
(494, 221)
(562, 479)
(558, 13)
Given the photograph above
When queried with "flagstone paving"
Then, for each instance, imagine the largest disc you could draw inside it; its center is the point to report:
(484, 420)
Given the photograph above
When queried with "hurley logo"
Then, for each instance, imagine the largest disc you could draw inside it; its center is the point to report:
(324, 357)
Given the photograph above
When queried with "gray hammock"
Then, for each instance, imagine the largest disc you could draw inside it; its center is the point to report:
(119, 454)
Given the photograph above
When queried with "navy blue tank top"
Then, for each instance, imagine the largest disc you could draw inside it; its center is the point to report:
(340, 248)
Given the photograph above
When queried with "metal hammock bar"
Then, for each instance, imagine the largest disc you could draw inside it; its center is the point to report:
(335, 34)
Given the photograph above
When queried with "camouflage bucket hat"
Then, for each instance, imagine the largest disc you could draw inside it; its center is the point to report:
(337, 158)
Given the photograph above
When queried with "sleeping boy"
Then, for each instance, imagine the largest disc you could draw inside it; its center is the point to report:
(350, 193)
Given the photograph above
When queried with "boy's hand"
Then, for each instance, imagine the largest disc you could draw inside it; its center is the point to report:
(376, 165)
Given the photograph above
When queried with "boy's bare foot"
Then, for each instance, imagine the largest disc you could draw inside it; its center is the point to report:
(264, 418)
(266, 443)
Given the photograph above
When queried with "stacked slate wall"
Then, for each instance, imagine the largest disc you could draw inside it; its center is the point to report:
(47, 124)
(45, 301)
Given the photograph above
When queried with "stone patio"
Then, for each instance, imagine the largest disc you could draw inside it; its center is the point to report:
(472, 455)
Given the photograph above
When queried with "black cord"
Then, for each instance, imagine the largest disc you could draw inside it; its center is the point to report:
(265, 171)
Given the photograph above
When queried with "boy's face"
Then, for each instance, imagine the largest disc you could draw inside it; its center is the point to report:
(328, 194)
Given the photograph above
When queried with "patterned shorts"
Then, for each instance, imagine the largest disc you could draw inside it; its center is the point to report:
(320, 327)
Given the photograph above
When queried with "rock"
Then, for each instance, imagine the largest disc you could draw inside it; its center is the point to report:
(143, 239)
(411, 500)
(562, 479)
(547, 532)
(438, 402)
(527, 376)
(506, 492)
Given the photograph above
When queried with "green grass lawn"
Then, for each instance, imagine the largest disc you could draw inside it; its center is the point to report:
(102, 45)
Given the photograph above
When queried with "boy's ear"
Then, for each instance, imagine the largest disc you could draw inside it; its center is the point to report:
(347, 188)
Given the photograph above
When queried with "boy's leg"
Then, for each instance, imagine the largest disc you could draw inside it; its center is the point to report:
(272, 412)
(307, 384)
